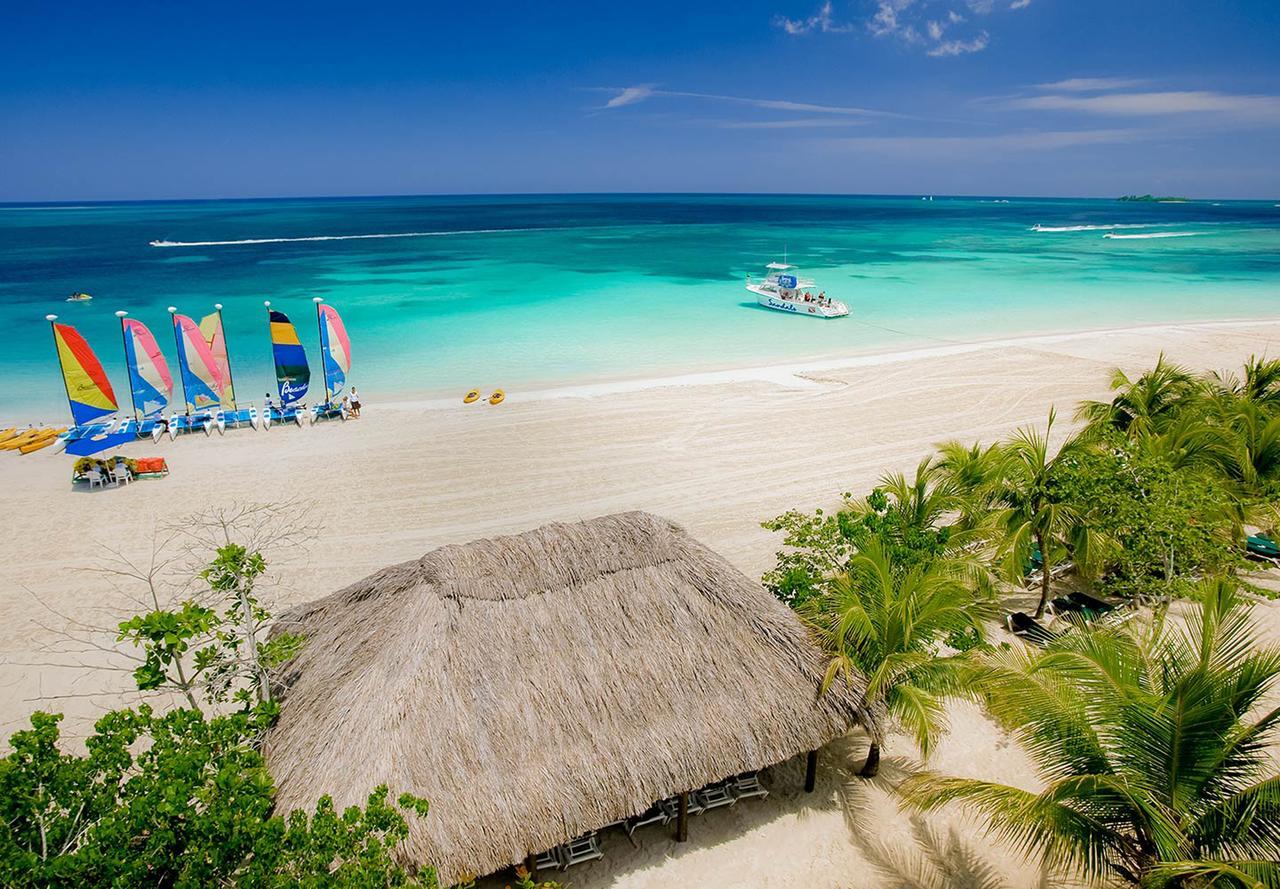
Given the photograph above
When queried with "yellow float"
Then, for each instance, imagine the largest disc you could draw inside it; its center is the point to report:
(497, 396)
(471, 397)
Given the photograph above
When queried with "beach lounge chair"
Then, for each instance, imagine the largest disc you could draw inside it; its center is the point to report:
(550, 859)
(584, 848)
(746, 786)
(1024, 626)
(95, 478)
(655, 814)
(1263, 548)
(715, 796)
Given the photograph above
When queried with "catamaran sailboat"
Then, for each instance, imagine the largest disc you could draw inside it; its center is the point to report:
(785, 291)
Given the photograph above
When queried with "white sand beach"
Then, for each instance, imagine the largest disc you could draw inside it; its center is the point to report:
(717, 453)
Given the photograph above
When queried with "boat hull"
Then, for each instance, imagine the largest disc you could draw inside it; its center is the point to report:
(796, 307)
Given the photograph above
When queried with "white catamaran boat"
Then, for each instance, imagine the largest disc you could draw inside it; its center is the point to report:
(784, 290)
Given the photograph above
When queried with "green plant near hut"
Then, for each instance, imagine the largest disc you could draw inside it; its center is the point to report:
(1153, 746)
(885, 620)
(184, 801)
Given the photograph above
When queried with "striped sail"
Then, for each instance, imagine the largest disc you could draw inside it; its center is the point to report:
(335, 349)
(149, 376)
(88, 389)
(293, 374)
(216, 338)
(202, 381)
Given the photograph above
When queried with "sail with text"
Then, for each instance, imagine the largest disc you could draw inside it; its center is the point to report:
(216, 339)
(149, 377)
(202, 380)
(88, 389)
(293, 374)
(335, 350)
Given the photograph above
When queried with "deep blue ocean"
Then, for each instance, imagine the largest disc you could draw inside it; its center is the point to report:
(444, 293)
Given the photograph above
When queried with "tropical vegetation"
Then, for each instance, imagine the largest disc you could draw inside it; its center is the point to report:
(1152, 743)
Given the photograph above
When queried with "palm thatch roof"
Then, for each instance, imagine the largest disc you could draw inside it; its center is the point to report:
(540, 686)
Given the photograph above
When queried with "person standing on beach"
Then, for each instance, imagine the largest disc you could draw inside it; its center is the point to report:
(355, 403)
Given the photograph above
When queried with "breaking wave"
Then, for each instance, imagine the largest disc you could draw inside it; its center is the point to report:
(438, 234)
(1148, 235)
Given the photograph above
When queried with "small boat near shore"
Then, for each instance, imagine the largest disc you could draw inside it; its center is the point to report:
(785, 291)
(79, 297)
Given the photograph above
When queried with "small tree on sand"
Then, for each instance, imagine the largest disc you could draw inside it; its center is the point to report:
(1153, 746)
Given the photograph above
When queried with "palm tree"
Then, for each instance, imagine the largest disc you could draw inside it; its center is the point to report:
(1260, 385)
(1153, 747)
(1028, 516)
(971, 471)
(1143, 405)
(884, 621)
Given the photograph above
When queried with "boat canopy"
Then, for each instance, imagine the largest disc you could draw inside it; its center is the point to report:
(779, 266)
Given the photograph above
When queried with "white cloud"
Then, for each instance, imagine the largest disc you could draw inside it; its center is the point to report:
(1091, 84)
(801, 122)
(630, 96)
(981, 7)
(1250, 107)
(934, 30)
(820, 21)
(993, 147)
(886, 21)
(961, 47)
(633, 94)
(1020, 4)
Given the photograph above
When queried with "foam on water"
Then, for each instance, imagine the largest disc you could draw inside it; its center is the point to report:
(1151, 235)
(390, 235)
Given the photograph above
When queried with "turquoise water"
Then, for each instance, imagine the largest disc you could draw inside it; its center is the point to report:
(532, 291)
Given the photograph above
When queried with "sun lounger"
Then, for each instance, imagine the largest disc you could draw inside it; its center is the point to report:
(549, 859)
(746, 786)
(1024, 626)
(655, 814)
(1262, 547)
(714, 797)
(584, 848)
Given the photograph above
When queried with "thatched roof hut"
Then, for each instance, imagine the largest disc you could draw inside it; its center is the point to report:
(540, 686)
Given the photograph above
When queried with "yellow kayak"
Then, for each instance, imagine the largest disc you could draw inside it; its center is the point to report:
(6, 434)
(19, 440)
(46, 438)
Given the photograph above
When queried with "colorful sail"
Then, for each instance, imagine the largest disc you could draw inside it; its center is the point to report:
(88, 388)
(335, 350)
(202, 381)
(149, 376)
(293, 374)
(216, 338)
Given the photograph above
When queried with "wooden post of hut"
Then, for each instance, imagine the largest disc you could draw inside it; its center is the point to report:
(682, 819)
(810, 771)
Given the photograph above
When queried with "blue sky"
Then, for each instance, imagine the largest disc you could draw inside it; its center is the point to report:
(1053, 97)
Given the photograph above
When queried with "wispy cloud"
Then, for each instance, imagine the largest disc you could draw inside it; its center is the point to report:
(960, 47)
(993, 146)
(1154, 104)
(821, 21)
(1092, 84)
(920, 23)
(634, 94)
(630, 96)
(798, 122)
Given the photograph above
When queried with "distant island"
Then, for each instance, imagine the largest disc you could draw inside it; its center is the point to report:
(1152, 200)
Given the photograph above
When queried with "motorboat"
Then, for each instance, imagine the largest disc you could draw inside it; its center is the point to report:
(783, 290)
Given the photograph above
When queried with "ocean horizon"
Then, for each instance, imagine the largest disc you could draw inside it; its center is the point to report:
(445, 293)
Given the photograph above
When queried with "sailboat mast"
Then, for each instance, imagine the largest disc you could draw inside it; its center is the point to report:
(177, 342)
(226, 348)
(54, 330)
(124, 341)
(324, 368)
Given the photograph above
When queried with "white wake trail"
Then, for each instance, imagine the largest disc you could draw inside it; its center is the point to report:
(438, 234)
(1149, 235)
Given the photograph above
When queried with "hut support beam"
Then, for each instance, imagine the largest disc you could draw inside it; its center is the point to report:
(682, 819)
(810, 771)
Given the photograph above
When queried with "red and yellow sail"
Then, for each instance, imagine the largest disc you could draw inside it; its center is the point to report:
(88, 388)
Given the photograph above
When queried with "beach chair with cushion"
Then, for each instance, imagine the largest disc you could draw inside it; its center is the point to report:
(584, 848)
(714, 796)
(746, 786)
(1026, 627)
(1262, 547)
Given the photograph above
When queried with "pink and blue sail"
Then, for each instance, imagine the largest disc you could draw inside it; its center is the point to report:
(149, 377)
(203, 382)
(335, 350)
